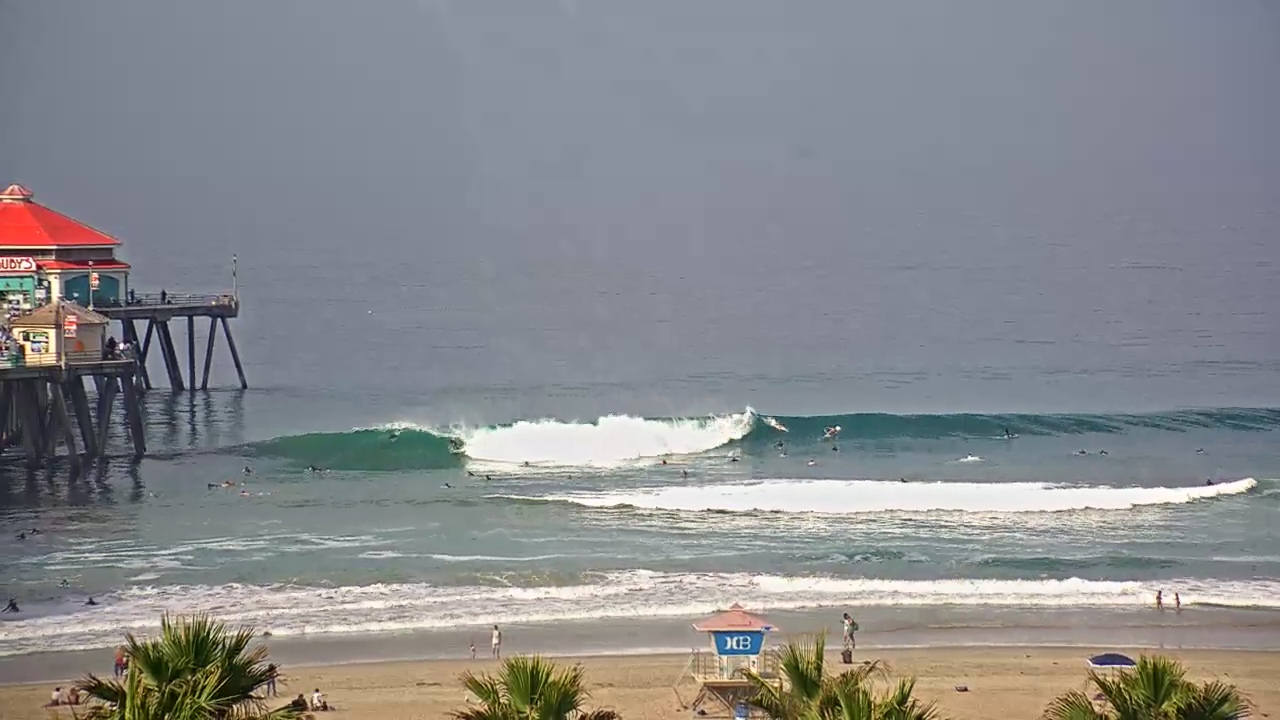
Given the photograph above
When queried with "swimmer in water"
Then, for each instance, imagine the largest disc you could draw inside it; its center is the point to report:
(248, 470)
(470, 474)
(486, 477)
(64, 583)
(12, 607)
(90, 601)
(835, 448)
(733, 458)
(1102, 452)
(811, 463)
(684, 473)
(447, 486)
(1199, 451)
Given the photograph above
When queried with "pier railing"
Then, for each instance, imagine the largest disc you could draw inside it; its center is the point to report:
(168, 299)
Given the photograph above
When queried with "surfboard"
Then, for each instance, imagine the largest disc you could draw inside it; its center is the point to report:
(773, 423)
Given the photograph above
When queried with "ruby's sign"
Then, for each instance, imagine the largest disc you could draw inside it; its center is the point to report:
(17, 265)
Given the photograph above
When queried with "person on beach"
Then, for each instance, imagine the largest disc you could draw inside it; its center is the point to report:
(850, 627)
(273, 673)
(120, 665)
(1177, 602)
(1160, 600)
(299, 704)
(318, 703)
(473, 649)
(497, 642)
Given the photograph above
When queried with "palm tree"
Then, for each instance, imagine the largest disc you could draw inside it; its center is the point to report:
(530, 688)
(809, 692)
(197, 669)
(1157, 689)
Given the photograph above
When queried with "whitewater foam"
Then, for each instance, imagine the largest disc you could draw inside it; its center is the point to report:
(867, 496)
(609, 441)
(291, 610)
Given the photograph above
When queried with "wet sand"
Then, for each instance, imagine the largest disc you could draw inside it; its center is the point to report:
(1005, 682)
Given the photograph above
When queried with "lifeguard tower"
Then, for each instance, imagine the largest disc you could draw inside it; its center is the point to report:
(737, 644)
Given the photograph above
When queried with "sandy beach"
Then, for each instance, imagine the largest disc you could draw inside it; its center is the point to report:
(1013, 682)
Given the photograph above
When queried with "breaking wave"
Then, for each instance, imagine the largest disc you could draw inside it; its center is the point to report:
(286, 610)
(618, 439)
(870, 496)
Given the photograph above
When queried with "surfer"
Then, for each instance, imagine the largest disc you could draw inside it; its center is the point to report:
(1102, 452)
(447, 486)
(902, 480)
(684, 473)
(12, 607)
(91, 601)
(1007, 435)
(1199, 451)
(835, 448)
(733, 458)
(830, 432)
(1208, 481)
(812, 462)
(248, 470)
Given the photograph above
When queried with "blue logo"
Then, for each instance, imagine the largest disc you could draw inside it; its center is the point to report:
(739, 643)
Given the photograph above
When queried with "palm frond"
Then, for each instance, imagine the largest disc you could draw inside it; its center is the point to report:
(1074, 705)
(1213, 701)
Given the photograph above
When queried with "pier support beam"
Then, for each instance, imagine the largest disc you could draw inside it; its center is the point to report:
(170, 356)
(131, 335)
(191, 350)
(235, 356)
(208, 353)
(60, 423)
(105, 403)
(29, 405)
(74, 388)
(133, 417)
(142, 359)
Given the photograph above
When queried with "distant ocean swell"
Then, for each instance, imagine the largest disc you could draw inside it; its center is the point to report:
(617, 439)
(287, 610)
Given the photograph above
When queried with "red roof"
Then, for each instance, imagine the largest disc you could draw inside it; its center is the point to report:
(735, 618)
(82, 265)
(28, 224)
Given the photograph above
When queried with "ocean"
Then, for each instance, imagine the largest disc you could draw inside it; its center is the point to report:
(530, 319)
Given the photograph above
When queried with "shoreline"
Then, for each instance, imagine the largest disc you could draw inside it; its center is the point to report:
(884, 629)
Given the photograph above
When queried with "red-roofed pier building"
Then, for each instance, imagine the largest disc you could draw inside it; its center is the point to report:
(45, 255)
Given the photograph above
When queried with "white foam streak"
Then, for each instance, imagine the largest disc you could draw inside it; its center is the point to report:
(868, 496)
(288, 610)
(609, 441)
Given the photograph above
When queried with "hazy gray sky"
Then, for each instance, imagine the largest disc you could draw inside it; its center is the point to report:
(535, 144)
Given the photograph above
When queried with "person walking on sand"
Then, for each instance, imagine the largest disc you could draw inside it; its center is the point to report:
(497, 643)
(1177, 602)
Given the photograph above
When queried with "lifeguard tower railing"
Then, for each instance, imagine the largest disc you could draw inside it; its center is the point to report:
(706, 665)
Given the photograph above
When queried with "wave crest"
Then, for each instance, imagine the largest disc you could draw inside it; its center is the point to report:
(842, 497)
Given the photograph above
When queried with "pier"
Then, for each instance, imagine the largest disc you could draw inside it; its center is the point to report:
(62, 290)
(157, 310)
